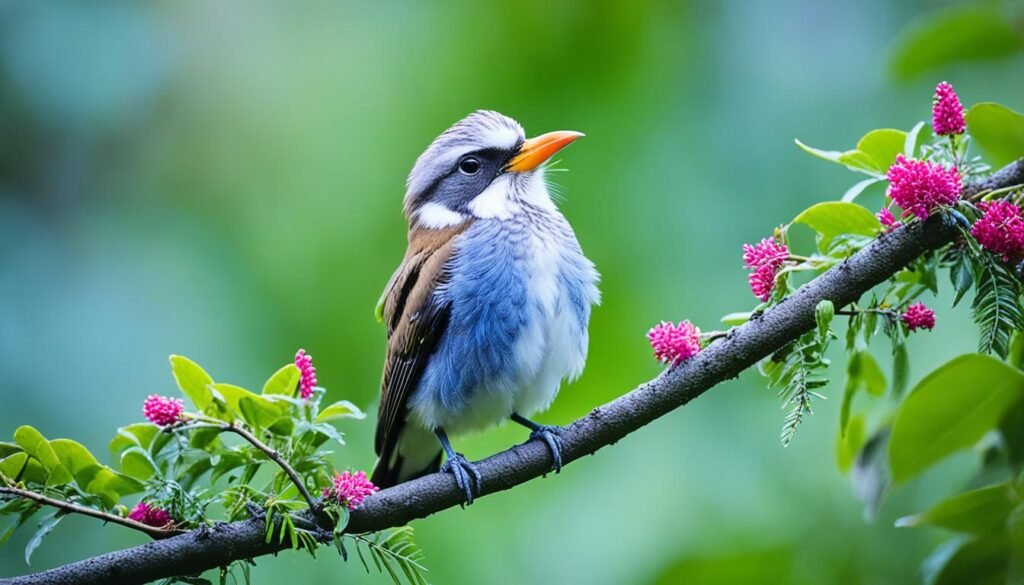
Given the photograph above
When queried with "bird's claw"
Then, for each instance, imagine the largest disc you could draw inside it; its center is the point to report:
(552, 438)
(466, 475)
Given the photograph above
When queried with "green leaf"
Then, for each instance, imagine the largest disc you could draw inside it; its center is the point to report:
(917, 136)
(192, 380)
(855, 160)
(284, 381)
(7, 449)
(11, 466)
(831, 219)
(82, 464)
(981, 511)
(949, 410)
(998, 130)
(862, 373)
(230, 395)
(135, 462)
(36, 445)
(980, 561)
(340, 409)
(855, 191)
(734, 319)
(972, 33)
(824, 312)
(258, 412)
(882, 146)
(45, 527)
(137, 434)
(848, 445)
(900, 368)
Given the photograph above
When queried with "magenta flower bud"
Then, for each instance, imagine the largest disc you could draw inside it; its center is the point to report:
(674, 343)
(888, 221)
(150, 515)
(350, 489)
(762, 282)
(766, 252)
(1001, 230)
(947, 111)
(304, 362)
(918, 316)
(919, 186)
(162, 410)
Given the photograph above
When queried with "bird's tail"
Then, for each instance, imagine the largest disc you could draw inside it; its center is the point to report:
(416, 453)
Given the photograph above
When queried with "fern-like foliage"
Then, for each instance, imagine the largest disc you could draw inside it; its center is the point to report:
(997, 307)
(393, 553)
(797, 371)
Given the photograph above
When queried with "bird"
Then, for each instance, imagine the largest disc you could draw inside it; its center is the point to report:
(488, 311)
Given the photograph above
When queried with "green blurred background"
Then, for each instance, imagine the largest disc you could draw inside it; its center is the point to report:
(224, 180)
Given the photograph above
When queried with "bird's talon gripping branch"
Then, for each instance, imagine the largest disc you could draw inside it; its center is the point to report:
(547, 433)
(466, 475)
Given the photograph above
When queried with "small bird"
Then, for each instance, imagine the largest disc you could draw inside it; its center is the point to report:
(488, 312)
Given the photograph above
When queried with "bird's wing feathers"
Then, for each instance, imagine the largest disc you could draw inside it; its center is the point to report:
(416, 319)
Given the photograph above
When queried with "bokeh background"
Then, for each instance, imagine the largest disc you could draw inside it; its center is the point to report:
(224, 180)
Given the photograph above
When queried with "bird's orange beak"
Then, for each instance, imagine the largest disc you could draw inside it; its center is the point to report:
(536, 150)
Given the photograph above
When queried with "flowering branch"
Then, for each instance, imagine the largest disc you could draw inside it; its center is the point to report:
(763, 335)
(71, 507)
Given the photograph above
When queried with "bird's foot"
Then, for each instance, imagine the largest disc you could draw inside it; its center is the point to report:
(551, 436)
(466, 475)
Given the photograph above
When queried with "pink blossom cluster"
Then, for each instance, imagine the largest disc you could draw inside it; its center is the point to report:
(150, 515)
(918, 316)
(304, 362)
(1001, 230)
(350, 489)
(764, 259)
(162, 410)
(947, 111)
(674, 343)
(919, 186)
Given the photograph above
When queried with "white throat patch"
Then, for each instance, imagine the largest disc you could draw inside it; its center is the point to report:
(436, 216)
(501, 199)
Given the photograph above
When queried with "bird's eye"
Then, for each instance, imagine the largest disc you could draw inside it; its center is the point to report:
(469, 166)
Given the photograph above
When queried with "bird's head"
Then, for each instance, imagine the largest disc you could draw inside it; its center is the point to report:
(481, 167)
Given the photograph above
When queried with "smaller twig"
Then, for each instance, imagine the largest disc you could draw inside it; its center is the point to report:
(855, 312)
(268, 451)
(69, 507)
(711, 336)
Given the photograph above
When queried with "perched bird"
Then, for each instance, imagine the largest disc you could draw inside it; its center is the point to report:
(488, 312)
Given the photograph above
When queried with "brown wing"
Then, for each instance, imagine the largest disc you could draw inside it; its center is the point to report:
(415, 320)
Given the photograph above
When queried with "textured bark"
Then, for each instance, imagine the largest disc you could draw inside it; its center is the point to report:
(201, 550)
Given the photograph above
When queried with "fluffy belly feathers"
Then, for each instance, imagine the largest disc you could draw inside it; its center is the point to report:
(518, 327)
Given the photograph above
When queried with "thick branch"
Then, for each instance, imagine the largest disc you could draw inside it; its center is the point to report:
(77, 509)
(605, 425)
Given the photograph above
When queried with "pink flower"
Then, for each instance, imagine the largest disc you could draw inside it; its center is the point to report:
(762, 282)
(304, 362)
(918, 316)
(150, 515)
(947, 111)
(674, 343)
(888, 221)
(350, 489)
(162, 410)
(1001, 230)
(918, 186)
(766, 252)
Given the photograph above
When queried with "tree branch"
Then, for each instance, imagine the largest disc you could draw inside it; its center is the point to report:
(276, 458)
(725, 359)
(70, 507)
